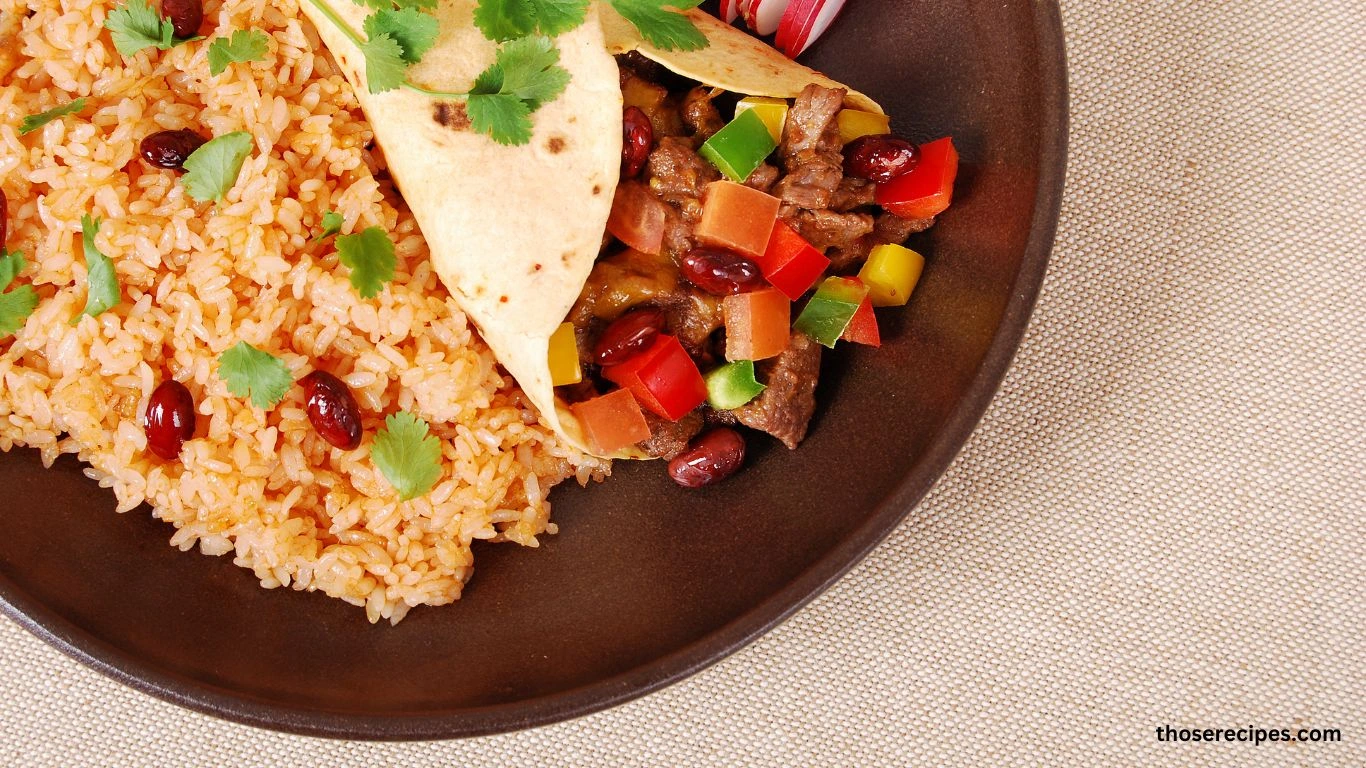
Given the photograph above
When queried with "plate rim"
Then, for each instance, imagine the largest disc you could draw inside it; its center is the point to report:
(662, 671)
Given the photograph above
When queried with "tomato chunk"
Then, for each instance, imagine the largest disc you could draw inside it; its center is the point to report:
(737, 218)
(637, 218)
(758, 324)
(663, 378)
(613, 421)
(789, 263)
(927, 190)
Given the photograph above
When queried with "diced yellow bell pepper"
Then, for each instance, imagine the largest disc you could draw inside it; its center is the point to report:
(772, 111)
(891, 273)
(564, 357)
(854, 123)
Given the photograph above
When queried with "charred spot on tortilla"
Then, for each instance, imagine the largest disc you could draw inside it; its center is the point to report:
(555, 144)
(536, 267)
(597, 189)
(452, 116)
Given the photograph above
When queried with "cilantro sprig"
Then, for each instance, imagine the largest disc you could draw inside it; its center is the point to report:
(408, 457)
(136, 25)
(370, 255)
(251, 373)
(243, 46)
(34, 122)
(18, 304)
(102, 284)
(502, 20)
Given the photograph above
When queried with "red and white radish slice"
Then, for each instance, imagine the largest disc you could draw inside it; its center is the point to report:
(804, 22)
(730, 10)
(747, 12)
(767, 14)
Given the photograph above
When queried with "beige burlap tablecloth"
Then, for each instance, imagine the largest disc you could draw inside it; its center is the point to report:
(1160, 521)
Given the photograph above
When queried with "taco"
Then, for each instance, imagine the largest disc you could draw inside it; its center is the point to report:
(636, 221)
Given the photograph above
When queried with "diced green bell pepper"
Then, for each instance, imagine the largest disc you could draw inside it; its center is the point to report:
(740, 147)
(830, 309)
(732, 385)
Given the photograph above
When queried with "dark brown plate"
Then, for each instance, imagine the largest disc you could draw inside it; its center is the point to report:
(646, 583)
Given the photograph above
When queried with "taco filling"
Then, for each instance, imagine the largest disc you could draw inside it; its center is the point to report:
(738, 246)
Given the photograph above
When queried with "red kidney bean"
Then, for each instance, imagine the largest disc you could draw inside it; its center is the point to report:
(185, 16)
(628, 336)
(880, 158)
(332, 410)
(638, 135)
(711, 458)
(168, 149)
(169, 420)
(720, 273)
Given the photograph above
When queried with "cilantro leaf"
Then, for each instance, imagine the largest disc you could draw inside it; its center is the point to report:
(501, 20)
(136, 25)
(525, 75)
(11, 265)
(370, 255)
(244, 45)
(529, 71)
(102, 284)
(34, 122)
(385, 68)
(555, 17)
(15, 307)
(211, 170)
(501, 116)
(332, 224)
(407, 455)
(249, 372)
(18, 304)
(413, 30)
(669, 30)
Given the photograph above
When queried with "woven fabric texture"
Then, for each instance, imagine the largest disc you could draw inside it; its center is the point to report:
(1161, 520)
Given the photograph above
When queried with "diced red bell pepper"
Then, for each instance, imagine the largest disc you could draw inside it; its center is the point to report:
(863, 326)
(613, 421)
(737, 218)
(663, 378)
(791, 264)
(927, 190)
(758, 324)
(637, 218)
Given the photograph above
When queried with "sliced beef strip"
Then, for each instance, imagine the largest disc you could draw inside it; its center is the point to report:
(670, 438)
(693, 316)
(678, 174)
(889, 228)
(852, 193)
(700, 114)
(846, 259)
(678, 228)
(785, 408)
(894, 229)
(810, 149)
(763, 178)
(827, 229)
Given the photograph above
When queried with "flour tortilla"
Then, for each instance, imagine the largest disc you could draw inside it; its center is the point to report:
(514, 231)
